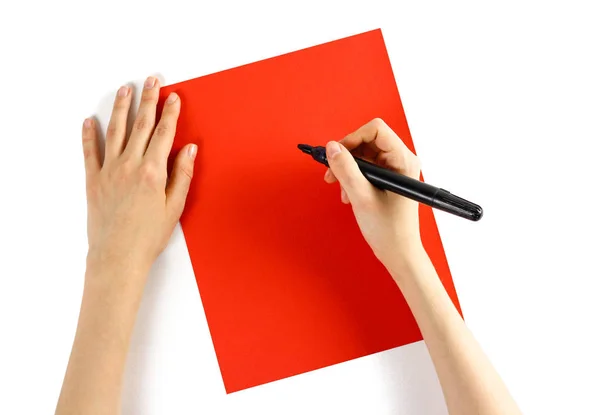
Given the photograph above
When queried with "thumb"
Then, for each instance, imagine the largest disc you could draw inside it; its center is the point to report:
(179, 182)
(346, 170)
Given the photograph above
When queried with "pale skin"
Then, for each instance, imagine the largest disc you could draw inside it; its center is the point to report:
(133, 207)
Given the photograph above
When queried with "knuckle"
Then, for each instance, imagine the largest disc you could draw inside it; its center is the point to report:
(126, 169)
(148, 169)
(87, 138)
(91, 186)
(188, 171)
(111, 130)
(378, 122)
(150, 173)
(121, 103)
(163, 129)
(92, 190)
(142, 123)
(414, 166)
(149, 97)
(407, 164)
(120, 175)
(88, 152)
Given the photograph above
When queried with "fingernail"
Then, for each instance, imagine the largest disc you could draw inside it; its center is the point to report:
(333, 149)
(149, 84)
(172, 98)
(123, 91)
(327, 173)
(88, 123)
(192, 150)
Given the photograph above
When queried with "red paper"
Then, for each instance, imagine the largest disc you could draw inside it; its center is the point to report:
(287, 281)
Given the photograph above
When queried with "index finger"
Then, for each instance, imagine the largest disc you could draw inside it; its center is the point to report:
(378, 135)
(164, 133)
(386, 148)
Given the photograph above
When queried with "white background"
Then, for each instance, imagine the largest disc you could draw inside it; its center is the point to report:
(503, 101)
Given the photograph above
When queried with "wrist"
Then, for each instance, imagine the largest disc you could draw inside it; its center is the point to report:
(109, 271)
(406, 263)
(100, 258)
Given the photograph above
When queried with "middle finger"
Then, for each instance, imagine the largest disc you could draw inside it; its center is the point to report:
(145, 120)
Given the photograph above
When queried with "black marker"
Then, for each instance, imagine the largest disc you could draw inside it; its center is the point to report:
(403, 185)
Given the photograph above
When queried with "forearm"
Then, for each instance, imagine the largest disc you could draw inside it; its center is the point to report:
(469, 382)
(108, 310)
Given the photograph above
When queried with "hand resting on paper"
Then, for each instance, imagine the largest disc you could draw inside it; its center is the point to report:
(390, 224)
(132, 210)
(133, 207)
